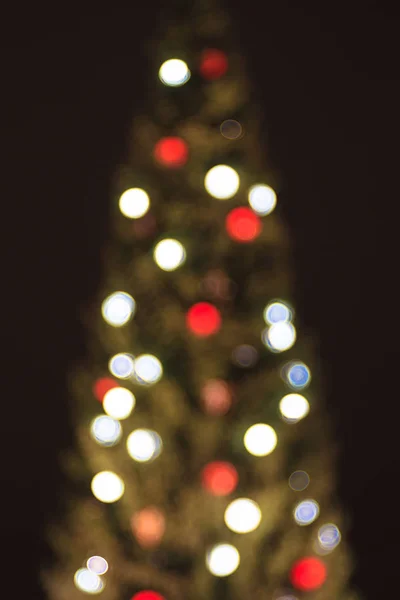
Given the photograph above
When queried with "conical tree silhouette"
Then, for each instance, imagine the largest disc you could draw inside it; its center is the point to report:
(204, 465)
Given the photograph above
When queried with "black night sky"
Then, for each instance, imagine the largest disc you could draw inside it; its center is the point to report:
(328, 76)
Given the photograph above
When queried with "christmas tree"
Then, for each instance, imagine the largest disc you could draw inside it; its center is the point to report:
(204, 464)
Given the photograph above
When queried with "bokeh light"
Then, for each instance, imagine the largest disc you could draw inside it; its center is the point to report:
(88, 582)
(174, 72)
(148, 526)
(262, 199)
(329, 537)
(213, 64)
(222, 560)
(299, 481)
(294, 407)
(222, 182)
(219, 478)
(279, 337)
(171, 152)
(106, 431)
(169, 254)
(118, 308)
(277, 312)
(242, 515)
(97, 564)
(297, 375)
(308, 574)
(231, 129)
(119, 403)
(134, 203)
(243, 225)
(260, 439)
(148, 369)
(245, 356)
(203, 319)
(121, 365)
(102, 385)
(143, 445)
(216, 397)
(306, 512)
(107, 486)
(147, 595)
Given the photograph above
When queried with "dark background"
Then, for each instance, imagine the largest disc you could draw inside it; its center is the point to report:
(71, 80)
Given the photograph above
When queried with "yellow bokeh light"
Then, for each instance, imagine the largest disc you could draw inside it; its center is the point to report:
(107, 487)
(260, 439)
(174, 72)
(222, 182)
(222, 560)
(134, 203)
(242, 515)
(262, 199)
(169, 254)
(294, 407)
(119, 403)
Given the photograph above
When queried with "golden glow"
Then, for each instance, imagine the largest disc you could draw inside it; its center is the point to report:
(242, 515)
(107, 487)
(260, 439)
(174, 72)
(134, 203)
(169, 254)
(119, 403)
(294, 407)
(222, 182)
(88, 582)
(262, 199)
(222, 560)
(118, 308)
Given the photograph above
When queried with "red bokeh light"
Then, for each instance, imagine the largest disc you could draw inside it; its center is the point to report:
(216, 397)
(213, 64)
(308, 573)
(171, 152)
(147, 595)
(203, 319)
(243, 225)
(102, 386)
(148, 526)
(219, 478)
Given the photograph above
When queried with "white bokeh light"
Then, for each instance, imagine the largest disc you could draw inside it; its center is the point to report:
(88, 582)
(121, 365)
(174, 72)
(242, 515)
(222, 182)
(143, 445)
(279, 337)
(306, 512)
(148, 369)
(329, 537)
(107, 487)
(97, 564)
(134, 203)
(222, 560)
(169, 254)
(262, 199)
(277, 312)
(105, 430)
(118, 308)
(119, 403)
(260, 439)
(294, 407)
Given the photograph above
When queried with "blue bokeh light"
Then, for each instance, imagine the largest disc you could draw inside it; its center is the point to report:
(298, 375)
(329, 536)
(306, 512)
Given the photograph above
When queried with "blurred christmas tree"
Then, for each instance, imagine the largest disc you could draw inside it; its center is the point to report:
(204, 466)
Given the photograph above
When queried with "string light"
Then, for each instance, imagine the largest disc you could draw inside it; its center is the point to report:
(143, 445)
(119, 403)
(102, 386)
(169, 254)
(242, 515)
(203, 319)
(277, 312)
(88, 582)
(121, 365)
(97, 564)
(279, 336)
(118, 308)
(308, 574)
(134, 203)
(260, 439)
(216, 397)
(213, 64)
(294, 407)
(222, 560)
(222, 182)
(174, 72)
(297, 375)
(306, 512)
(148, 526)
(220, 478)
(329, 537)
(262, 199)
(299, 481)
(106, 431)
(107, 487)
(148, 369)
(171, 152)
(243, 225)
